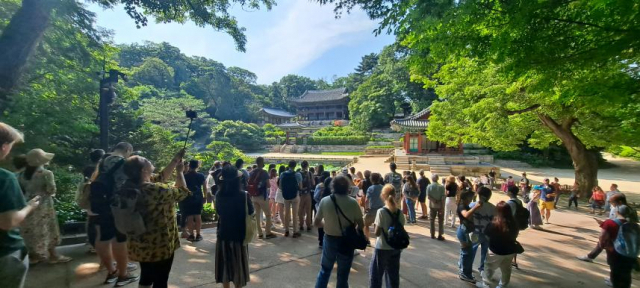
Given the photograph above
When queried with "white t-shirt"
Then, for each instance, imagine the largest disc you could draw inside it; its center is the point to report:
(383, 220)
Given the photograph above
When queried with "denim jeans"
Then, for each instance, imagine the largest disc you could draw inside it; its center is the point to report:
(412, 209)
(466, 252)
(484, 242)
(330, 255)
(385, 263)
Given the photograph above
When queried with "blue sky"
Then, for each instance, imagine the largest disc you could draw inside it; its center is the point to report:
(295, 37)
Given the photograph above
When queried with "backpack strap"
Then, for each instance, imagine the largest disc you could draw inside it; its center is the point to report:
(115, 167)
(335, 204)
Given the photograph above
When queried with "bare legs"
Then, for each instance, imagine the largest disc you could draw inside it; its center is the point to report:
(122, 257)
(194, 223)
(103, 249)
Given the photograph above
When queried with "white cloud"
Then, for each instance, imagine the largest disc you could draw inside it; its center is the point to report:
(304, 34)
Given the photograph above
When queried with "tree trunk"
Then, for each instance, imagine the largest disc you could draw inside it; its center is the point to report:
(585, 161)
(18, 41)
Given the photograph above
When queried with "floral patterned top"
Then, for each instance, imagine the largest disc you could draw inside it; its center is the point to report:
(159, 213)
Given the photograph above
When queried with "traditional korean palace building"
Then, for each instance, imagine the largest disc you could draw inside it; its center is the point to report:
(322, 105)
(275, 116)
(415, 138)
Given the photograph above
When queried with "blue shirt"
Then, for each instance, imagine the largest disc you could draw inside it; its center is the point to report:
(373, 194)
(545, 190)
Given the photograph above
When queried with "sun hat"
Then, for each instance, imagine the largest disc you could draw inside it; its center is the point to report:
(37, 157)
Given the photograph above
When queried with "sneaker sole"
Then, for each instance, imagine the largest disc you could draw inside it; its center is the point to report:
(127, 282)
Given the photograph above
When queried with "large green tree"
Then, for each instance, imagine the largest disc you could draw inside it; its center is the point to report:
(566, 68)
(28, 24)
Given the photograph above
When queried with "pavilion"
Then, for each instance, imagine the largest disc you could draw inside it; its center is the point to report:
(416, 141)
(323, 105)
(275, 116)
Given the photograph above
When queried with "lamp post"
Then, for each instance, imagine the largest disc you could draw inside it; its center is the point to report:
(107, 96)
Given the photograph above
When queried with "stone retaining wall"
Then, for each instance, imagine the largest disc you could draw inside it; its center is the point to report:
(378, 151)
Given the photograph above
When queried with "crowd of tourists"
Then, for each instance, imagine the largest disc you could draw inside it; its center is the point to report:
(132, 216)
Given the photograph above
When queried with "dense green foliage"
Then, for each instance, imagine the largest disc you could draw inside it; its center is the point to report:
(332, 131)
(334, 140)
(625, 151)
(515, 71)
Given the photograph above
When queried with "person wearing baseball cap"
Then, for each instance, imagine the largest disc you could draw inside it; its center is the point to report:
(547, 199)
(40, 230)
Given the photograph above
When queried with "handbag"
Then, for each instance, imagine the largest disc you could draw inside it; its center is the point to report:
(352, 238)
(519, 248)
(250, 224)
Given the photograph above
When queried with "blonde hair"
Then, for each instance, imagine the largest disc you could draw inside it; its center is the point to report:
(9, 134)
(451, 179)
(388, 195)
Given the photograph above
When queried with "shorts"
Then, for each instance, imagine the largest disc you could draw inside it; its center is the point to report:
(597, 204)
(370, 217)
(91, 229)
(194, 207)
(279, 197)
(422, 198)
(106, 225)
(549, 205)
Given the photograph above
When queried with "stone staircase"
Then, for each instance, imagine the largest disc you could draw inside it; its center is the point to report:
(436, 160)
(441, 170)
(402, 162)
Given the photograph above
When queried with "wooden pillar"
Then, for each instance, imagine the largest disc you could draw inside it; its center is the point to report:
(407, 141)
(420, 136)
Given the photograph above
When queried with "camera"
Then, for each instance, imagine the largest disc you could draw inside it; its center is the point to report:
(191, 114)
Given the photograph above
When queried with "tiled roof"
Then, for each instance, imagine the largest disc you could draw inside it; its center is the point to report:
(278, 112)
(311, 96)
(412, 121)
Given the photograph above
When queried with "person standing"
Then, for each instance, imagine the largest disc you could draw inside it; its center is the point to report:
(259, 182)
(308, 185)
(386, 260)
(232, 255)
(40, 229)
(547, 198)
(280, 197)
(155, 247)
(373, 202)
(273, 190)
(212, 181)
(423, 182)
(557, 188)
(334, 224)
(245, 175)
(436, 195)
(14, 262)
(395, 179)
(110, 242)
(535, 218)
(291, 184)
(492, 178)
(575, 193)
(193, 204)
(451, 201)
(466, 227)
(525, 185)
(502, 233)
(88, 174)
(410, 191)
(481, 218)
(322, 190)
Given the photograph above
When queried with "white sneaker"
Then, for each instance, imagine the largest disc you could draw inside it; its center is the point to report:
(585, 259)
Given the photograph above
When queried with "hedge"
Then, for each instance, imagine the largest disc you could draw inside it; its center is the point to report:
(334, 140)
(274, 140)
(381, 147)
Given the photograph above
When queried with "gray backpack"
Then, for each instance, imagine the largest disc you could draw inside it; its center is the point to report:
(126, 211)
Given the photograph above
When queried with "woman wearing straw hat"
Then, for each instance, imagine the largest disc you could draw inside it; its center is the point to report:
(40, 230)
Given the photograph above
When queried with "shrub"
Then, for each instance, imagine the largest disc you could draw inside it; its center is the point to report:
(274, 140)
(335, 140)
(208, 212)
(337, 131)
(67, 185)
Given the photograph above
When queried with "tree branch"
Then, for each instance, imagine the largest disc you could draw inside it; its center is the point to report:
(530, 108)
(568, 123)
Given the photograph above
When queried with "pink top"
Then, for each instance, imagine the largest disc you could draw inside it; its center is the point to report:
(273, 182)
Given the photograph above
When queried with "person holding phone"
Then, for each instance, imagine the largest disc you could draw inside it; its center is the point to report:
(14, 262)
(481, 218)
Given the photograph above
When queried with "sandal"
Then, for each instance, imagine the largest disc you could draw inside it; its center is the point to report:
(60, 259)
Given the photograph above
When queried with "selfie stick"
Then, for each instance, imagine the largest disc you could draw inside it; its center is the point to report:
(188, 131)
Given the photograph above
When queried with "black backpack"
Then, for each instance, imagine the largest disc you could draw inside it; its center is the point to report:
(522, 216)
(289, 185)
(102, 189)
(396, 236)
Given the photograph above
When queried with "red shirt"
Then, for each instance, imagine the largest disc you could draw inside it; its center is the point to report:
(612, 229)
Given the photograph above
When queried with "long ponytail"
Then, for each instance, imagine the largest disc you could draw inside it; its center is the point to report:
(388, 195)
